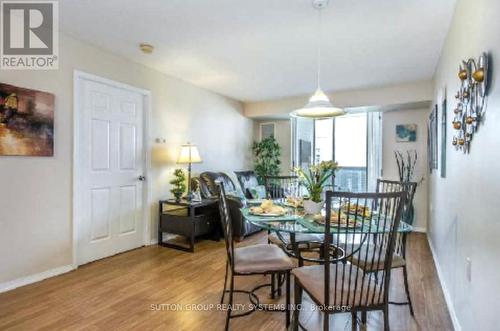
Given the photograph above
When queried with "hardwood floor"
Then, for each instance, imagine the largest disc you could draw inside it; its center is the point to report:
(154, 288)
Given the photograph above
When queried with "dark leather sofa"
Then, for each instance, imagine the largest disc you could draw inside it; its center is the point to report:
(208, 189)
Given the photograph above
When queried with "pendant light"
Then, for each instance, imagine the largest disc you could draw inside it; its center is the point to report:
(319, 106)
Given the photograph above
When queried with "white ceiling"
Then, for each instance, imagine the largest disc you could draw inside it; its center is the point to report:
(254, 50)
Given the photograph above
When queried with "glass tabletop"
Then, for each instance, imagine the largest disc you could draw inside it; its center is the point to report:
(294, 222)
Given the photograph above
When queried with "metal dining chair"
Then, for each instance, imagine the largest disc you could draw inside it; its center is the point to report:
(338, 286)
(399, 258)
(281, 187)
(259, 259)
(278, 188)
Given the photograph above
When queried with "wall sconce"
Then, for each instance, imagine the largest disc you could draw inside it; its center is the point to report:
(471, 101)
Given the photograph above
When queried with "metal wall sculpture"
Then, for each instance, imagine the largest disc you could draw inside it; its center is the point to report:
(471, 101)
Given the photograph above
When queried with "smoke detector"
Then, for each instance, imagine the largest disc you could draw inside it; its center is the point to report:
(146, 48)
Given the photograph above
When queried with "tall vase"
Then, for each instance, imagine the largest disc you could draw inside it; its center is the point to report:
(410, 214)
(312, 208)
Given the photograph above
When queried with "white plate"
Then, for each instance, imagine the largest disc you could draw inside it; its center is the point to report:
(255, 201)
(272, 215)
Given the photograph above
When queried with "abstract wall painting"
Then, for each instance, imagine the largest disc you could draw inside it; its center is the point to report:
(26, 122)
(406, 133)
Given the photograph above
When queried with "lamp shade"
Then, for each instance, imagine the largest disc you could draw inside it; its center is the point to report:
(189, 154)
(319, 106)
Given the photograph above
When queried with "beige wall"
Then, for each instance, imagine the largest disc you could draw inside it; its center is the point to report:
(378, 96)
(283, 137)
(390, 171)
(36, 192)
(464, 206)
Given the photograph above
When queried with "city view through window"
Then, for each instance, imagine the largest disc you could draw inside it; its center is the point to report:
(344, 140)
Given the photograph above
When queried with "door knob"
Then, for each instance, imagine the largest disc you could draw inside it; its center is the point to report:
(142, 178)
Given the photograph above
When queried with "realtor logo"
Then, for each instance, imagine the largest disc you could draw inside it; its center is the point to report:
(29, 35)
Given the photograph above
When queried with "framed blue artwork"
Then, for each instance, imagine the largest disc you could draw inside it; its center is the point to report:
(443, 138)
(406, 133)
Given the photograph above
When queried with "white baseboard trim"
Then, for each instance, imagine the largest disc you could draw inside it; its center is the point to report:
(447, 296)
(10, 285)
(153, 242)
(419, 229)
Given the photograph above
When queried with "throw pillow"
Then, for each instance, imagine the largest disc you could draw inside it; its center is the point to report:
(258, 192)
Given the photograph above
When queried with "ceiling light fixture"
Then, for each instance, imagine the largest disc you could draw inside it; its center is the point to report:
(319, 106)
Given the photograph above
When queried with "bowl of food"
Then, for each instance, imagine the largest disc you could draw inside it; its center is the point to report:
(295, 202)
(356, 209)
(342, 221)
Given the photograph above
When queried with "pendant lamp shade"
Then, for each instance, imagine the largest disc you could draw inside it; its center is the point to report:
(319, 106)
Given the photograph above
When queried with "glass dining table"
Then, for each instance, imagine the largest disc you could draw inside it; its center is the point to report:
(295, 222)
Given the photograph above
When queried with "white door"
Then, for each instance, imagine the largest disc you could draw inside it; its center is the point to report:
(110, 122)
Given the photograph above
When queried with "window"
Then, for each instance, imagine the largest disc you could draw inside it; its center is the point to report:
(266, 130)
(350, 151)
(352, 140)
(323, 140)
(303, 142)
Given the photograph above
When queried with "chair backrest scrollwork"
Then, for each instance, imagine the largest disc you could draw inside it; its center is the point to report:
(281, 187)
(226, 224)
(354, 217)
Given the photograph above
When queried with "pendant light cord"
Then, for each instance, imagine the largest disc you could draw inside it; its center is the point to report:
(320, 30)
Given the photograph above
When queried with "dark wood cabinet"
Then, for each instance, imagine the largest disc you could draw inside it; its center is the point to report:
(189, 220)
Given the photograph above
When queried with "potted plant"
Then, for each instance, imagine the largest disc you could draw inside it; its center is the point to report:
(179, 184)
(314, 180)
(267, 155)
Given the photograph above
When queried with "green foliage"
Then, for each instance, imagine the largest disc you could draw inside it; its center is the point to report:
(315, 178)
(267, 155)
(178, 183)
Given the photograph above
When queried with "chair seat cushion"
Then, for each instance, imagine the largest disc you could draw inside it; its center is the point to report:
(366, 258)
(261, 258)
(353, 289)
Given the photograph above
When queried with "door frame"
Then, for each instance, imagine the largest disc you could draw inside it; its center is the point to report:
(78, 78)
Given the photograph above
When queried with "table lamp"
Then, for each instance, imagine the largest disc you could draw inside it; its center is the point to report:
(189, 154)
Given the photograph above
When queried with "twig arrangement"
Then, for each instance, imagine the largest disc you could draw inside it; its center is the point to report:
(406, 164)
